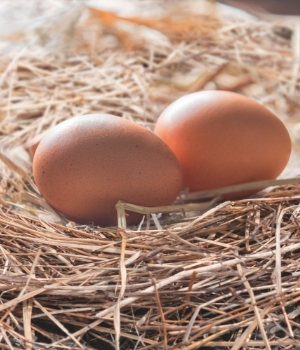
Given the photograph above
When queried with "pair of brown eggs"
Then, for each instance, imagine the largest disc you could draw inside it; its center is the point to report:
(202, 141)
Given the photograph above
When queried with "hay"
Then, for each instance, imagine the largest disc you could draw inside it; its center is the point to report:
(224, 276)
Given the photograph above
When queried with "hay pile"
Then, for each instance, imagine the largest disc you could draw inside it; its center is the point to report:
(225, 277)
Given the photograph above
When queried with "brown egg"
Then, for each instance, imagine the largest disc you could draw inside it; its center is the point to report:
(84, 165)
(223, 138)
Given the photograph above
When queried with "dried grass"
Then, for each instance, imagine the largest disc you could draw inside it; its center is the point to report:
(224, 276)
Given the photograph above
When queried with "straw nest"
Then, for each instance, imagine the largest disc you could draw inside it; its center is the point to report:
(224, 276)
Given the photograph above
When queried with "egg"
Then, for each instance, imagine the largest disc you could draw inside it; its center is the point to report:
(85, 165)
(222, 138)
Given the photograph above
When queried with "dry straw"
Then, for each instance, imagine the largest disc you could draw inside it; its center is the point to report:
(203, 274)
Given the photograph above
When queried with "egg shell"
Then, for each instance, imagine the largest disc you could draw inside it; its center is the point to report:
(222, 138)
(84, 165)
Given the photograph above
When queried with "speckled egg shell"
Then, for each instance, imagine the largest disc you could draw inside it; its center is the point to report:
(84, 165)
(223, 138)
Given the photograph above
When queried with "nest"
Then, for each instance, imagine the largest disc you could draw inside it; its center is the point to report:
(222, 276)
